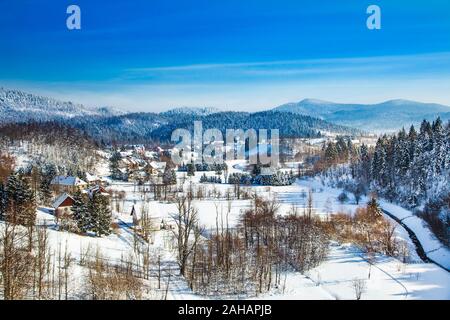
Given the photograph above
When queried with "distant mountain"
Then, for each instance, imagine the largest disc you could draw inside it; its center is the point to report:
(387, 116)
(109, 124)
(198, 111)
(18, 106)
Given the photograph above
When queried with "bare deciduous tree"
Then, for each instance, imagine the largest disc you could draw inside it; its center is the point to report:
(359, 287)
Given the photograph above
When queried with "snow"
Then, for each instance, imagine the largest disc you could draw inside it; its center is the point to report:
(432, 246)
(389, 277)
(67, 181)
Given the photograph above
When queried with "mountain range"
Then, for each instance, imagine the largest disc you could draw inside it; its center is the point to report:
(307, 118)
(386, 116)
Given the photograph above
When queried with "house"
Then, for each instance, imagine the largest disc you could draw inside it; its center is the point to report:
(96, 190)
(67, 184)
(156, 167)
(92, 180)
(63, 205)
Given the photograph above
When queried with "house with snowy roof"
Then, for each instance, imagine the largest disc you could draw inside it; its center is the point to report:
(92, 179)
(67, 184)
(63, 205)
(156, 167)
(96, 190)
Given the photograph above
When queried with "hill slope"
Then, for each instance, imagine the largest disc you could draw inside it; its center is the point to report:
(18, 106)
(108, 124)
(389, 115)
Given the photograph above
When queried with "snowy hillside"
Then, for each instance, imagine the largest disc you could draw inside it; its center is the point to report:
(197, 111)
(20, 106)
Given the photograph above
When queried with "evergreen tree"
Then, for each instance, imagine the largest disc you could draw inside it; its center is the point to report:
(190, 169)
(373, 208)
(114, 165)
(21, 206)
(378, 166)
(80, 212)
(364, 165)
(331, 153)
(47, 174)
(100, 212)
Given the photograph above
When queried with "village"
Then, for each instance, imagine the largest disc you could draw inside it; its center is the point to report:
(134, 207)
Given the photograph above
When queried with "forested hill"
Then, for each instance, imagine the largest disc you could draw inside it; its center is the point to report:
(108, 124)
(158, 127)
(19, 106)
(289, 125)
(411, 168)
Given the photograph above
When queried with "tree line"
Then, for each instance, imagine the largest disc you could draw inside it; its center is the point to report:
(410, 167)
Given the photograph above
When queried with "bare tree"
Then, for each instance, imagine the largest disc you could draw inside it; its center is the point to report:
(187, 231)
(42, 257)
(15, 261)
(359, 287)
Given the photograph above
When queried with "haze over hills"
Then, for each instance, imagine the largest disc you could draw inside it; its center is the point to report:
(386, 116)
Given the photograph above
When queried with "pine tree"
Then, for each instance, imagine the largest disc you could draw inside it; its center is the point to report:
(80, 212)
(331, 153)
(364, 165)
(439, 150)
(114, 165)
(101, 217)
(47, 174)
(378, 166)
(21, 206)
(373, 208)
(190, 169)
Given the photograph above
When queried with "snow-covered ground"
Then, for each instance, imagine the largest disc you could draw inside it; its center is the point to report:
(389, 278)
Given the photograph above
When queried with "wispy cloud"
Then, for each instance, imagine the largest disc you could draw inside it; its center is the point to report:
(312, 68)
(260, 85)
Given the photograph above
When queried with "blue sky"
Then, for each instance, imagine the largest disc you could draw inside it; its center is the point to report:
(150, 55)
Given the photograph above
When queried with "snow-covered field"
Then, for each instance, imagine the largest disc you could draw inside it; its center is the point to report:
(389, 278)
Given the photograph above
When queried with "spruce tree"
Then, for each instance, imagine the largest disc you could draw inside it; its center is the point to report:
(80, 212)
(101, 215)
(114, 165)
(21, 201)
(47, 174)
(190, 169)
